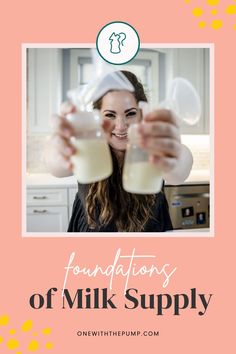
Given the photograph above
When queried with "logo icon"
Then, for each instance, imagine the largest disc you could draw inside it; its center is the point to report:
(117, 42)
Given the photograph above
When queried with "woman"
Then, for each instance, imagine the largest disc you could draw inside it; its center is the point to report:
(105, 206)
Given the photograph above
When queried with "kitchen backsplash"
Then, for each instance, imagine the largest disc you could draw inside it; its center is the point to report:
(200, 148)
(35, 150)
(198, 144)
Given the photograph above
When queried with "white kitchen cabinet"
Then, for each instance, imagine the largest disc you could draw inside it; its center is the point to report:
(44, 87)
(47, 219)
(47, 196)
(49, 207)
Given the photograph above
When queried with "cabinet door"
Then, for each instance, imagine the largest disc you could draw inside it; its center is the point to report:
(47, 219)
(44, 89)
(46, 196)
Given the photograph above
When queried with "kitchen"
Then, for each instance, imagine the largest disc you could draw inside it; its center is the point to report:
(51, 72)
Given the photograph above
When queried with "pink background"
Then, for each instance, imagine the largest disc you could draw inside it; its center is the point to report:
(34, 265)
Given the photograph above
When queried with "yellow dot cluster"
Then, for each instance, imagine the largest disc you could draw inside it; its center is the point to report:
(14, 343)
(216, 23)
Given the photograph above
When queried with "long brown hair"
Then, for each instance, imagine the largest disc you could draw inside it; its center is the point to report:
(107, 201)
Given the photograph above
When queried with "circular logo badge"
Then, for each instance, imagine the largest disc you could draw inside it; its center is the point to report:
(118, 42)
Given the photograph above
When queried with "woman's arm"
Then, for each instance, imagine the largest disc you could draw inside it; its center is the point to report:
(182, 169)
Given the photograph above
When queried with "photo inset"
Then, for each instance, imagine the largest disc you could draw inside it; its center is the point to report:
(114, 149)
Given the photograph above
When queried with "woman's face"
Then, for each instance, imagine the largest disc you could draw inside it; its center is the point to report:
(122, 108)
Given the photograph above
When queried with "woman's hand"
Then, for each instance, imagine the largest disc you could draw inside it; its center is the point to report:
(59, 149)
(160, 135)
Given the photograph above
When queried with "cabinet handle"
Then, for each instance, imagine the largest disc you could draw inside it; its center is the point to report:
(43, 197)
(40, 211)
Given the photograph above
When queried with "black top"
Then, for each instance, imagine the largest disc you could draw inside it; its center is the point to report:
(159, 223)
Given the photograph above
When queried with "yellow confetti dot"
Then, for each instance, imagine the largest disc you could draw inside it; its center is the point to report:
(12, 344)
(12, 331)
(235, 27)
(4, 320)
(27, 326)
(33, 346)
(231, 10)
(18, 352)
(216, 24)
(49, 345)
(187, 1)
(214, 12)
(197, 11)
(1, 339)
(213, 2)
(202, 24)
(46, 331)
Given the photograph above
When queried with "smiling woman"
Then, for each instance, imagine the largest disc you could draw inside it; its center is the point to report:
(122, 108)
(105, 206)
(123, 115)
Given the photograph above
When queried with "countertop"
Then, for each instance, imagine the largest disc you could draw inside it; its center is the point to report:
(44, 179)
(199, 176)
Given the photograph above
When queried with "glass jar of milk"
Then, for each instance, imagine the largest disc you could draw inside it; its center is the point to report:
(140, 176)
(92, 161)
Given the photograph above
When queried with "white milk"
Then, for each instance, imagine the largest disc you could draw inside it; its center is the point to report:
(142, 178)
(92, 162)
